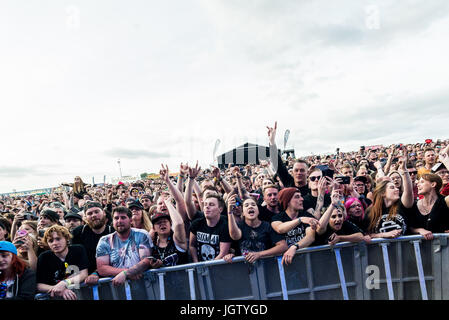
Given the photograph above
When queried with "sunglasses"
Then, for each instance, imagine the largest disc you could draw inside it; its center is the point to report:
(315, 178)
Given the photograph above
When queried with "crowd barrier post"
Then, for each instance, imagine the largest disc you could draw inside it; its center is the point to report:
(282, 279)
(387, 270)
(161, 285)
(191, 283)
(341, 273)
(422, 281)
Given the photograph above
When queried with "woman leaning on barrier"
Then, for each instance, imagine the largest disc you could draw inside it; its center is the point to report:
(386, 216)
(334, 228)
(257, 239)
(431, 213)
(17, 282)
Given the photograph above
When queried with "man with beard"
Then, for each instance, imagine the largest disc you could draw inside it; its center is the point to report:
(123, 249)
(89, 234)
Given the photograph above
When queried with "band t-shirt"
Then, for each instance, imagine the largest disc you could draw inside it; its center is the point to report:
(257, 239)
(386, 224)
(85, 236)
(125, 253)
(295, 234)
(208, 238)
(347, 228)
(51, 269)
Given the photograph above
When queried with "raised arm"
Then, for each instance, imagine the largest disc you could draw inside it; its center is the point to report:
(335, 198)
(176, 194)
(276, 160)
(407, 195)
(234, 230)
(190, 206)
(179, 233)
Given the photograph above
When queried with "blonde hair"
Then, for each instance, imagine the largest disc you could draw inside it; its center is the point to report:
(60, 230)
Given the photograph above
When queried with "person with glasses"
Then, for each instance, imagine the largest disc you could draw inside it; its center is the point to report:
(430, 214)
(317, 198)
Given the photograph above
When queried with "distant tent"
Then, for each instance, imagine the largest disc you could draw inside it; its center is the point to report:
(248, 153)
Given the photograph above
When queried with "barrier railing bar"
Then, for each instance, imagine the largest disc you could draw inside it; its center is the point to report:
(209, 284)
(399, 270)
(387, 270)
(309, 276)
(307, 290)
(161, 286)
(282, 278)
(128, 291)
(341, 274)
(113, 291)
(95, 292)
(442, 236)
(191, 284)
(422, 282)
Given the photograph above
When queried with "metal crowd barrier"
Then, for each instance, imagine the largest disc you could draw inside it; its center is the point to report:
(405, 268)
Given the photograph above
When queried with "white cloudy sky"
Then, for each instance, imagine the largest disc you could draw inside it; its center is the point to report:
(84, 83)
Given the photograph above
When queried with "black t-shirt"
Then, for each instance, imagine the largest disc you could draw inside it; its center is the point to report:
(257, 239)
(310, 201)
(295, 234)
(347, 228)
(437, 221)
(399, 222)
(287, 179)
(208, 238)
(88, 239)
(265, 214)
(171, 255)
(51, 269)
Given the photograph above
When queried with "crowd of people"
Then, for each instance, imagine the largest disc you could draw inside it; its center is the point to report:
(273, 208)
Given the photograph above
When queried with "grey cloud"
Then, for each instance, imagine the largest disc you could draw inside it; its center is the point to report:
(134, 153)
(18, 172)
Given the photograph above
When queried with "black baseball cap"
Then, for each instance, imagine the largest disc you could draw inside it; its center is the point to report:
(50, 214)
(158, 216)
(92, 204)
(135, 204)
(73, 215)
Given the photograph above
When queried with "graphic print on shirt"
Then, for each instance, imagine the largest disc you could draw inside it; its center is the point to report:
(251, 244)
(386, 225)
(207, 242)
(296, 234)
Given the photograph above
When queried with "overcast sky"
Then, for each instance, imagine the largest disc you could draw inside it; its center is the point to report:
(85, 83)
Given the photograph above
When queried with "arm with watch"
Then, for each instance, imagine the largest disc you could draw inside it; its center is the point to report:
(284, 227)
(308, 239)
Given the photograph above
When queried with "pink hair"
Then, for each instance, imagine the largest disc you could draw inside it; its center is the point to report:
(348, 204)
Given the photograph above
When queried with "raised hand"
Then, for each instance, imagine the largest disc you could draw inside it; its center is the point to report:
(272, 133)
(193, 172)
(184, 169)
(164, 173)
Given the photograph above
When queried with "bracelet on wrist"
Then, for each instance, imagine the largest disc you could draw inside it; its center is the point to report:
(124, 272)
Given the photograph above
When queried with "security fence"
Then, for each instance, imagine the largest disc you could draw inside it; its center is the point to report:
(405, 268)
